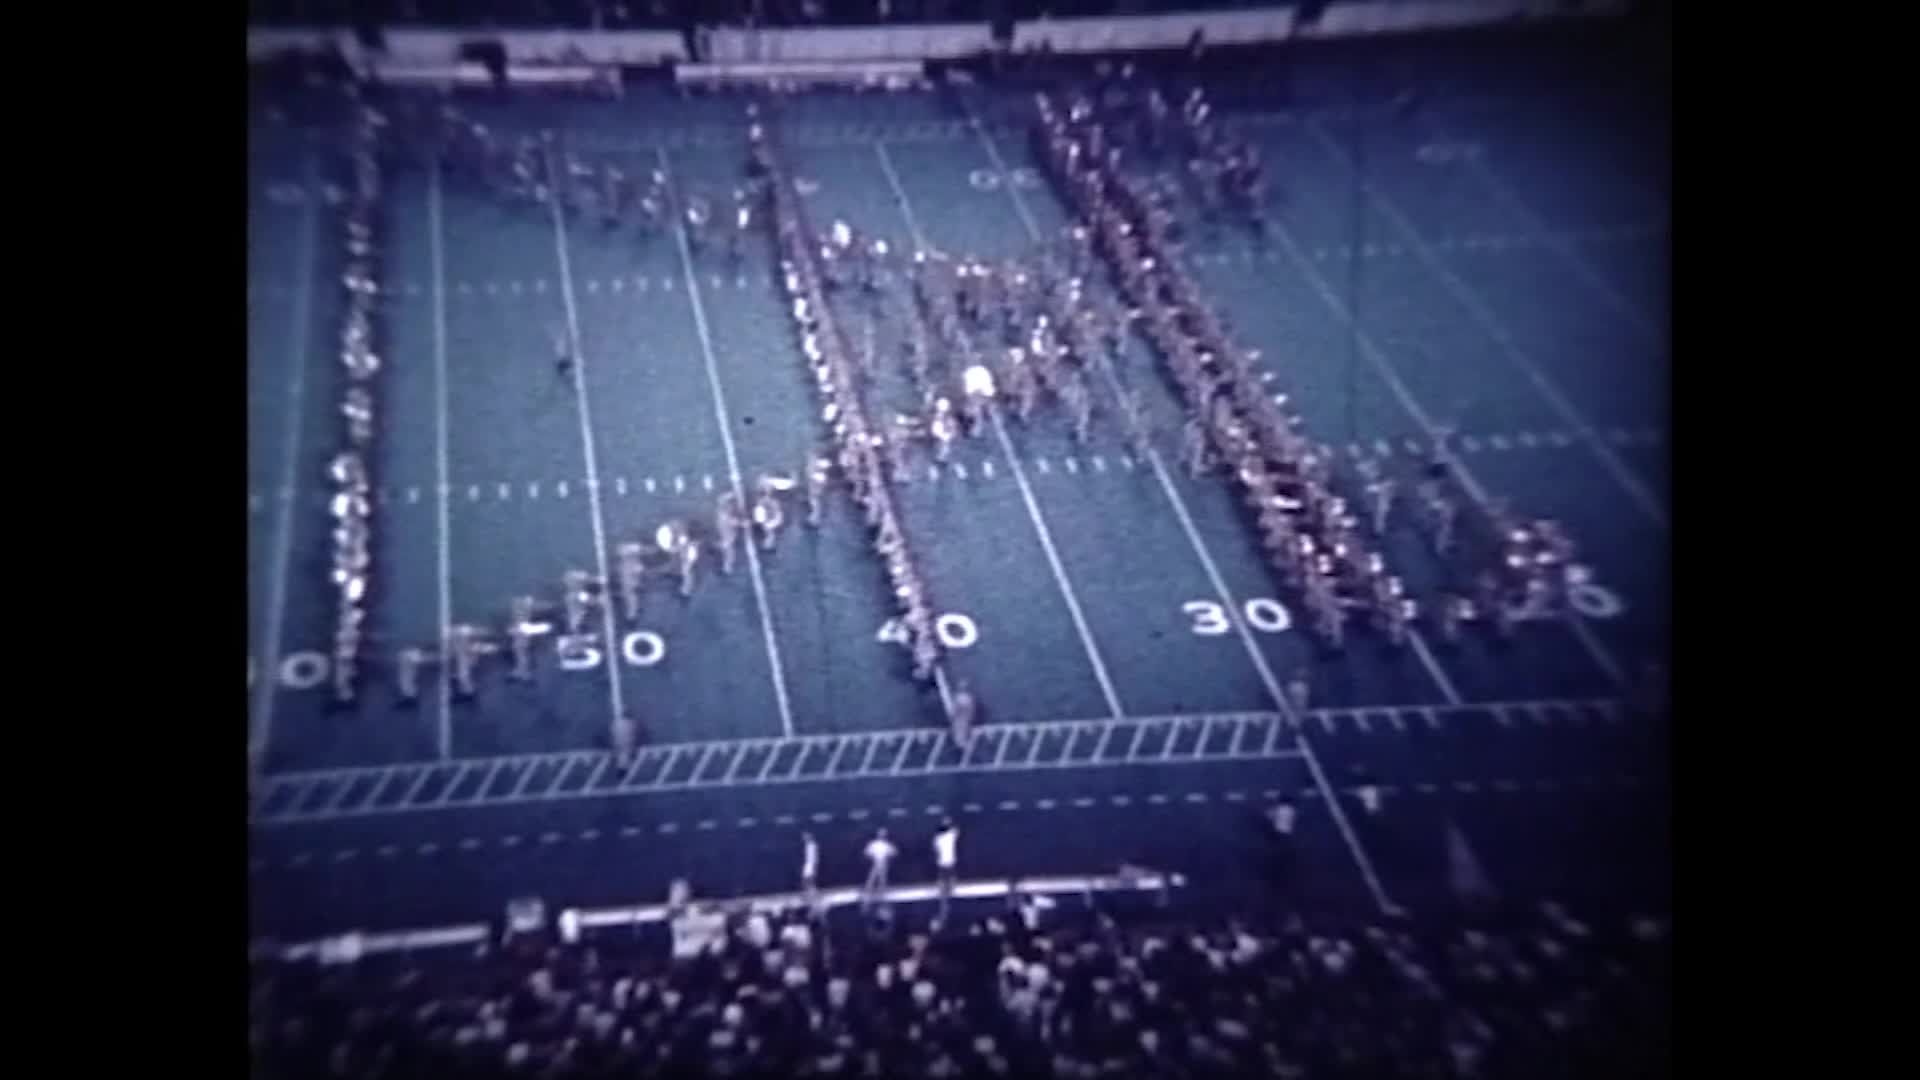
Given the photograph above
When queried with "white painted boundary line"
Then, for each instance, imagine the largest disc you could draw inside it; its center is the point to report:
(1478, 494)
(1470, 299)
(1019, 473)
(261, 728)
(1036, 728)
(1254, 653)
(435, 225)
(733, 461)
(586, 439)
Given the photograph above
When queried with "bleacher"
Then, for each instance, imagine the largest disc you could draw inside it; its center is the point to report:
(1071, 989)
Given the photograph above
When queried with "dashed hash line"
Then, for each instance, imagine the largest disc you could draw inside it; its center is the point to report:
(1506, 786)
(502, 491)
(607, 287)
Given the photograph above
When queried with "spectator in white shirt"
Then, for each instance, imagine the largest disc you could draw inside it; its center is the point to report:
(810, 868)
(880, 852)
(946, 852)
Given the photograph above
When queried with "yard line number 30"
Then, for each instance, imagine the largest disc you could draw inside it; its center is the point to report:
(1269, 616)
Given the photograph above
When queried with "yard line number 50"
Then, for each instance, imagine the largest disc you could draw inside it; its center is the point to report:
(309, 668)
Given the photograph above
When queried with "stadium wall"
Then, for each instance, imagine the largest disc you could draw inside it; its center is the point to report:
(935, 41)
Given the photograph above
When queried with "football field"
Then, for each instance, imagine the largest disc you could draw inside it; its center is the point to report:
(1507, 278)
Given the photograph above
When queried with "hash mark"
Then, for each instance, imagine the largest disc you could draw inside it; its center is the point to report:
(506, 491)
(986, 469)
(533, 489)
(1042, 463)
(649, 485)
(620, 485)
(959, 470)
(707, 481)
(1073, 465)
(560, 489)
(473, 492)
(1099, 464)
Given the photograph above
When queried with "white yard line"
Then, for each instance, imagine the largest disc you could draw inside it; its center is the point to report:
(1019, 474)
(1470, 299)
(1563, 243)
(1594, 646)
(614, 699)
(1254, 653)
(434, 224)
(262, 720)
(720, 416)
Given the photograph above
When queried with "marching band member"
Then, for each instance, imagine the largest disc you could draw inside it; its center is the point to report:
(729, 520)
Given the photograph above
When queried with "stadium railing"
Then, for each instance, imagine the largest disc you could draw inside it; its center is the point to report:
(354, 945)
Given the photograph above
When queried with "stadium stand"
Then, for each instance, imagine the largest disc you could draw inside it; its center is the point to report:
(1070, 992)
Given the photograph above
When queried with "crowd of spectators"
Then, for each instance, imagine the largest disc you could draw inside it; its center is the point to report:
(675, 14)
(1533, 994)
